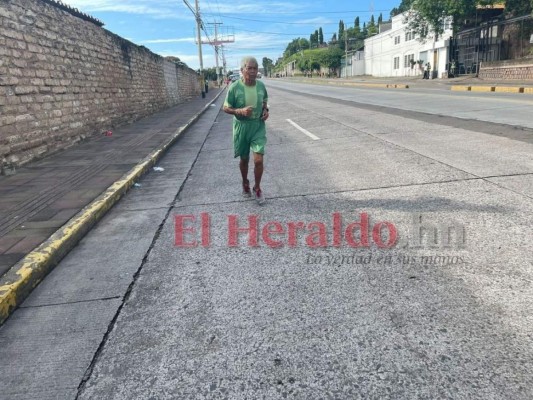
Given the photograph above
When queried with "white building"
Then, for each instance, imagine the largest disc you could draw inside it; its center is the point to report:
(355, 66)
(395, 51)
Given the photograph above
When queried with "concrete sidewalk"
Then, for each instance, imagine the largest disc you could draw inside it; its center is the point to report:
(48, 205)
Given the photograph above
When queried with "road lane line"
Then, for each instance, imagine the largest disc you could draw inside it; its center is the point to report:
(303, 130)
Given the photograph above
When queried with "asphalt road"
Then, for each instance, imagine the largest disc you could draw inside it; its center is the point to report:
(445, 312)
(431, 98)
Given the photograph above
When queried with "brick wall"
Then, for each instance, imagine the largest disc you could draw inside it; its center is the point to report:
(507, 70)
(64, 78)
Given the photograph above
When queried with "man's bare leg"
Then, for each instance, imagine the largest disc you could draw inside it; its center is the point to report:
(243, 166)
(258, 169)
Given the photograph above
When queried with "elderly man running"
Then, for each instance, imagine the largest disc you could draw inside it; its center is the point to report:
(247, 100)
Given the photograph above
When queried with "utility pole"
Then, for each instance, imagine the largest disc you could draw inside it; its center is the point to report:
(218, 41)
(216, 44)
(216, 53)
(346, 53)
(199, 36)
(223, 60)
(196, 12)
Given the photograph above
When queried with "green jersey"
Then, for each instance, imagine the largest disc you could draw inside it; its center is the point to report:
(241, 96)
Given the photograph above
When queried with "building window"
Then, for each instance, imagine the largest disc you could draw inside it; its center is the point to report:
(396, 62)
(397, 39)
(407, 60)
(447, 24)
(409, 36)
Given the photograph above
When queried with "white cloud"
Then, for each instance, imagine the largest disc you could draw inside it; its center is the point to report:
(258, 8)
(317, 20)
(190, 59)
(176, 40)
(177, 9)
(258, 41)
(155, 8)
(242, 41)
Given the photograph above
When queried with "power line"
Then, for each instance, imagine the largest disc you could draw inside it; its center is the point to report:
(309, 12)
(284, 34)
(281, 22)
(190, 7)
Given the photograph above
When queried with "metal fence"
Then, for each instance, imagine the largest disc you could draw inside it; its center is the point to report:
(491, 41)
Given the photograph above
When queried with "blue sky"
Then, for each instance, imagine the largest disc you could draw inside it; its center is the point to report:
(260, 29)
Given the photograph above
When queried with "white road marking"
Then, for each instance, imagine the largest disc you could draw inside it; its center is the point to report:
(303, 130)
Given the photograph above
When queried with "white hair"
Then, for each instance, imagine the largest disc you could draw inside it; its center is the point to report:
(246, 60)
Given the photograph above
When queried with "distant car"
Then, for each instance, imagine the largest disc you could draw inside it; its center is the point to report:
(259, 75)
(234, 77)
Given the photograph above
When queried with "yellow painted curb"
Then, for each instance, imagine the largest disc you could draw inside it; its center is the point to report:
(396, 86)
(509, 89)
(460, 88)
(20, 280)
(482, 88)
(528, 90)
(372, 85)
(27, 273)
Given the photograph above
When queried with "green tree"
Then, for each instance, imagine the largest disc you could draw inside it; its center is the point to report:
(355, 38)
(516, 8)
(314, 40)
(303, 64)
(268, 66)
(210, 74)
(320, 36)
(372, 28)
(356, 29)
(428, 16)
(331, 58)
(380, 18)
(315, 65)
(404, 6)
(341, 34)
(295, 46)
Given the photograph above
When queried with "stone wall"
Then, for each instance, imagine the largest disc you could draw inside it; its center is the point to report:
(64, 78)
(507, 70)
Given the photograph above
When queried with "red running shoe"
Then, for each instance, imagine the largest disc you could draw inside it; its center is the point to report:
(259, 196)
(246, 189)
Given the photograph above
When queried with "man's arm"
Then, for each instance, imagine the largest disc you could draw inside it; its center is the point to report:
(264, 114)
(236, 111)
(243, 112)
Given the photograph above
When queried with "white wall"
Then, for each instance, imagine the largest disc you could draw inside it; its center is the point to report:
(356, 64)
(381, 49)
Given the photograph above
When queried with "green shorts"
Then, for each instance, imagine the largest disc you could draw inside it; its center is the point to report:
(248, 134)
